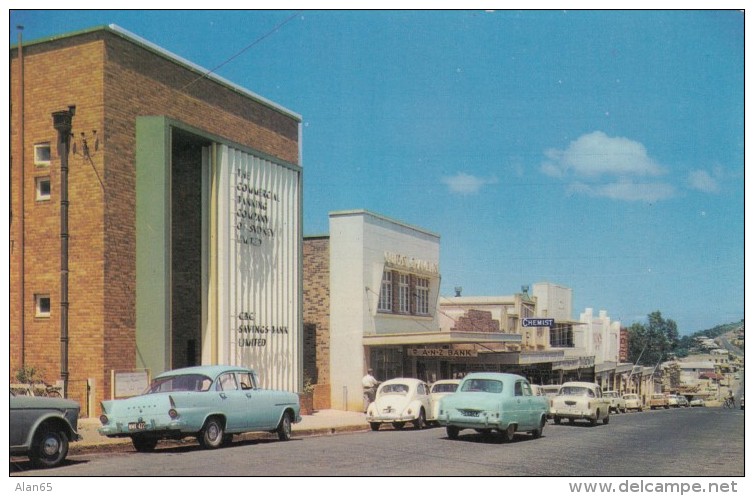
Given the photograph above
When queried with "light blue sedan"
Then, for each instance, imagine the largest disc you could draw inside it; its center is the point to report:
(210, 403)
(494, 402)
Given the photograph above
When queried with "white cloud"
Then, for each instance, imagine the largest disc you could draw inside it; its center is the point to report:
(597, 154)
(702, 180)
(626, 190)
(622, 165)
(466, 184)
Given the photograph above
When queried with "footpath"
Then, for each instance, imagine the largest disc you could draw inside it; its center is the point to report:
(321, 422)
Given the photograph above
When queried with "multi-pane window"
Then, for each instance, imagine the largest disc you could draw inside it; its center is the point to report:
(386, 292)
(422, 295)
(404, 300)
(42, 187)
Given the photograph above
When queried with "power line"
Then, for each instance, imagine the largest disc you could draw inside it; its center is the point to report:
(261, 38)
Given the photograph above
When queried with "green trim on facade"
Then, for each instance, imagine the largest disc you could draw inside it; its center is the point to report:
(153, 195)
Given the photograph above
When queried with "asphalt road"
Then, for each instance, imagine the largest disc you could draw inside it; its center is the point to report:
(678, 442)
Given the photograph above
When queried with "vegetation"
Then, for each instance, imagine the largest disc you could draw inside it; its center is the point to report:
(658, 340)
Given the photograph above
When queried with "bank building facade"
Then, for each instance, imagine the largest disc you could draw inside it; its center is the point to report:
(155, 218)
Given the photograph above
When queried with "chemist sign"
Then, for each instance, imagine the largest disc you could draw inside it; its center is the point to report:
(538, 322)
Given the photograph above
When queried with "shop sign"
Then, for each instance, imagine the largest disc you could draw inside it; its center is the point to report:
(411, 263)
(441, 352)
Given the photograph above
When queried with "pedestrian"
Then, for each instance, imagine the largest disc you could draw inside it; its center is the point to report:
(369, 383)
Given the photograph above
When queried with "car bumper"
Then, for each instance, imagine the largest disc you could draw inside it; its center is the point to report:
(469, 422)
(575, 414)
(121, 429)
(391, 418)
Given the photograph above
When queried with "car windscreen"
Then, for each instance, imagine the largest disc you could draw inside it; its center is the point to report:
(186, 382)
(444, 388)
(482, 386)
(575, 391)
(394, 389)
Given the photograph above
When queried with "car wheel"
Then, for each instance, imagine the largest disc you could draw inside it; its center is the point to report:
(49, 448)
(211, 435)
(399, 425)
(452, 431)
(593, 421)
(537, 433)
(144, 444)
(606, 420)
(284, 429)
(375, 426)
(420, 422)
(556, 420)
(508, 433)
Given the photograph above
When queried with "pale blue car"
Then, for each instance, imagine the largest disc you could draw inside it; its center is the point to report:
(211, 403)
(494, 402)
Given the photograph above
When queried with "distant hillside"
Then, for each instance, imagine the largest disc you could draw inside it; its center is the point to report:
(687, 344)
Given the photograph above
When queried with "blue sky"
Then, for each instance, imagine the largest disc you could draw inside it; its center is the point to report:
(599, 150)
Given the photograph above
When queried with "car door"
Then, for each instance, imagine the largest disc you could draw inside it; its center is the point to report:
(264, 407)
(232, 402)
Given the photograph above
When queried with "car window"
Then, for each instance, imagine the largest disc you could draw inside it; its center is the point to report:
(246, 380)
(444, 388)
(576, 391)
(394, 388)
(186, 382)
(227, 382)
(482, 386)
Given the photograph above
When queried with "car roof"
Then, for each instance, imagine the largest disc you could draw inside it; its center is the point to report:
(447, 381)
(580, 384)
(495, 376)
(208, 370)
(402, 380)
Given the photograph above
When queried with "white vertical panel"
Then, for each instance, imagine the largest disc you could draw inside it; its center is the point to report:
(260, 322)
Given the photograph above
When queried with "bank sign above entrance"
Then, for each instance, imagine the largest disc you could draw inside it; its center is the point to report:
(538, 322)
(441, 352)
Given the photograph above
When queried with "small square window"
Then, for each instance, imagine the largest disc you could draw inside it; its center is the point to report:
(42, 306)
(43, 188)
(42, 154)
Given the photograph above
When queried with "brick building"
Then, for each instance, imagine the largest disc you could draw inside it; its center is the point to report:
(183, 225)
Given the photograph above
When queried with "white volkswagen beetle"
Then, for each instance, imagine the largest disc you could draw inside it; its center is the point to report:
(399, 401)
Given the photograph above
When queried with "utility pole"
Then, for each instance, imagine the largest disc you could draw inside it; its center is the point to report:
(62, 121)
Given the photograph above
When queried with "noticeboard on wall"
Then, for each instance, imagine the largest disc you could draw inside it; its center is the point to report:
(127, 383)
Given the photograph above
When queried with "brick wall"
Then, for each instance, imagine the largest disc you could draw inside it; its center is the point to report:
(111, 81)
(317, 308)
(477, 321)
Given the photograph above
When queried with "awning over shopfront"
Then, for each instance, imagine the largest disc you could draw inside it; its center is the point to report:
(399, 339)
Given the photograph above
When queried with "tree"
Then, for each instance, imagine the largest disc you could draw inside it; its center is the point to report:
(651, 343)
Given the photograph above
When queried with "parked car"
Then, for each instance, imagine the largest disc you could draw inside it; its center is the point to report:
(42, 428)
(673, 401)
(549, 390)
(211, 403)
(580, 400)
(696, 402)
(683, 401)
(617, 403)
(633, 402)
(439, 390)
(658, 400)
(494, 402)
(399, 401)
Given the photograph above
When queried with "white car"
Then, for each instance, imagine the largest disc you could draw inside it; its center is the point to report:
(697, 402)
(617, 403)
(399, 401)
(580, 400)
(633, 402)
(439, 390)
(548, 390)
(673, 401)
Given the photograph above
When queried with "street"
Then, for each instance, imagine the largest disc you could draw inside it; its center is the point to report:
(707, 441)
